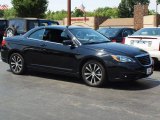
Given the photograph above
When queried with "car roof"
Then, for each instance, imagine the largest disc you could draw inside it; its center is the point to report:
(150, 27)
(115, 28)
(63, 27)
(28, 19)
(60, 27)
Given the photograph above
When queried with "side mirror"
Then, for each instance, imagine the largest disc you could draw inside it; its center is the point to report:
(67, 42)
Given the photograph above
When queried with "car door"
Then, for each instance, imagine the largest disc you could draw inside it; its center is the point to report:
(34, 48)
(58, 56)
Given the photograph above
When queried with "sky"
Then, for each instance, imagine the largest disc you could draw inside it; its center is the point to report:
(90, 5)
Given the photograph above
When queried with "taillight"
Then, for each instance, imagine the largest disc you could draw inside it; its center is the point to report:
(3, 43)
(114, 40)
(123, 40)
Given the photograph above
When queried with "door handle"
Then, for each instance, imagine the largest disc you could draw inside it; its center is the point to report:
(43, 45)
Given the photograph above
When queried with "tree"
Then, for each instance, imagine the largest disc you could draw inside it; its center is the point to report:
(77, 13)
(58, 15)
(9, 13)
(1, 13)
(90, 14)
(106, 12)
(126, 7)
(152, 12)
(30, 8)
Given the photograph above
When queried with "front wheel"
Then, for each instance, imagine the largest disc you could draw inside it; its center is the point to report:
(93, 73)
(16, 63)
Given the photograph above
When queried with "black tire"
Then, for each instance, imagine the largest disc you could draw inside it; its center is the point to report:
(93, 73)
(16, 63)
(10, 31)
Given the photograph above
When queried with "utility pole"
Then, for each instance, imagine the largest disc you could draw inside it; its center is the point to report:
(157, 13)
(69, 13)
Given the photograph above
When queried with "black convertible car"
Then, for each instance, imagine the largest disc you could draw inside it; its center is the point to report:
(77, 51)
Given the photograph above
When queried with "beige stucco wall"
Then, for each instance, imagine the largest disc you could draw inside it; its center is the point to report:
(149, 21)
(92, 22)
(81, 21)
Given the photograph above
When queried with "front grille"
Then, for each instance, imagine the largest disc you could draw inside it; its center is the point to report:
(144, 59)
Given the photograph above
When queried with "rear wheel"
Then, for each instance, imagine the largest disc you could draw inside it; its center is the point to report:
(93, 73)
(16, 63)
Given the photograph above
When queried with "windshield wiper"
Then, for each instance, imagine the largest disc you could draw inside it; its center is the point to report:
(96, 42)
(104, 41)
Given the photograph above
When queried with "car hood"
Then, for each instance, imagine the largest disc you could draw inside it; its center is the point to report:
(116, 48)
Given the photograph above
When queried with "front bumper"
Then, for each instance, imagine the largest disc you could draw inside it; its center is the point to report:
(128, 72)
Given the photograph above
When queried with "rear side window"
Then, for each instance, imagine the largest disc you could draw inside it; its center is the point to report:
(37, 34)
(110, 32)
(19, 25)
(3, 24)
(148, 32)
(31, 24)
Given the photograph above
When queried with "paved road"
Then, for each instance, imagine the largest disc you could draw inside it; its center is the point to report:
(41, 96)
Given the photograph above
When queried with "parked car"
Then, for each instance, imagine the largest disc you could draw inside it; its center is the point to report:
(147, 39)
(77, 51)
(116, 34)
(19, 26)
(3, 26)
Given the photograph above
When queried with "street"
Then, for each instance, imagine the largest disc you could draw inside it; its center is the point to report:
(43, 96)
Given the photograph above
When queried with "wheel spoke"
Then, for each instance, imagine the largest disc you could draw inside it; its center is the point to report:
(19, 60)
(88, 77)
(87, 74)
(16, 69)
(95, 67)
(98, 74)
(13, 58)
(89, 69)
(13, 63)
(93, 80)
(99, 78)
(19, 67)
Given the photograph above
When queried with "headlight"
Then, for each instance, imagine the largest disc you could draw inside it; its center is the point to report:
(120, 58)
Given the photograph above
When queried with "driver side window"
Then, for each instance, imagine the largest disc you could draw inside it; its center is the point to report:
(55, 35)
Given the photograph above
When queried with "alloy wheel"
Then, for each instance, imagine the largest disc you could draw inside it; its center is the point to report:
(16, 63)
(93, 73)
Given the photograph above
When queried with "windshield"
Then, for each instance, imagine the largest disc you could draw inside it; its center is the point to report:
(148, 32)
(88, 36)
(109, 32)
